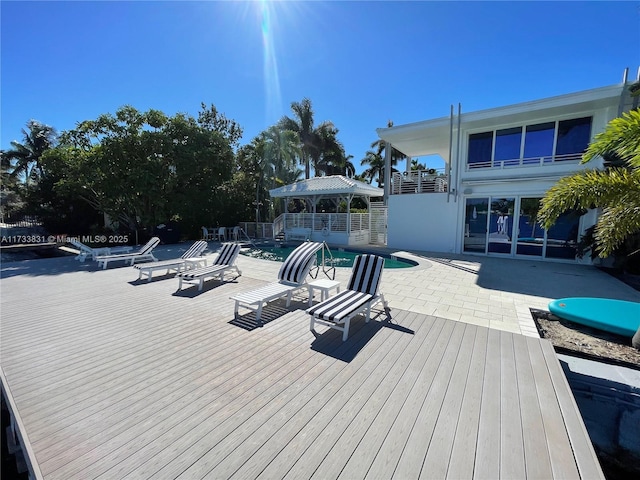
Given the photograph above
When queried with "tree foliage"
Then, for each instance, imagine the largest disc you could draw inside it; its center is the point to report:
(616, 190)
(23, 160)
(319, 146)
(144, 168)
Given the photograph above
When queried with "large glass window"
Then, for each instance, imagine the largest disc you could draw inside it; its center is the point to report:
(573, 136)
(538, 141)
(508, 144)
(480, 146)
(570, 137)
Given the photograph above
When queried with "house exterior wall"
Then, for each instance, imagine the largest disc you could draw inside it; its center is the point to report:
(436, 222)
(423, 222)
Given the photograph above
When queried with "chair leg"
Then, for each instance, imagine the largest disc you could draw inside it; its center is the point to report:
(345, 329)
(259, 313)
(312, 323)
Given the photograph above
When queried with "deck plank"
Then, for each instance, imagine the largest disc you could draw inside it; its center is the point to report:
(512, 464)
(115, 378)
(461, 464)
(487, 464)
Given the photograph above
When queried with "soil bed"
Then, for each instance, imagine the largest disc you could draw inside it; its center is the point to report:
(580, 340)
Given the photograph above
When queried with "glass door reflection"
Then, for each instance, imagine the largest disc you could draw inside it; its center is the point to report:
(501, 225)
(530, 233)
(475, 225)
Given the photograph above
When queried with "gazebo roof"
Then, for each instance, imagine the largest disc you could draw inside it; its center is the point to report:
(335, 185)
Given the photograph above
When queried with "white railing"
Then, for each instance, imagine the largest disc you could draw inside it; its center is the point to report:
(309, 222)
(418, 181)
(526, 162)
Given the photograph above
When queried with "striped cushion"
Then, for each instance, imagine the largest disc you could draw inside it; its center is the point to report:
(341, 305)
(366, 274)
(228, 254)
(298, 263)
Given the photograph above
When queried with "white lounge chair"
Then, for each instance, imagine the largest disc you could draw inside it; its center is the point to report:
(91, 253)
(225, 261)
(291, 278)
(361, 294)
(142, 255)
(192, 258)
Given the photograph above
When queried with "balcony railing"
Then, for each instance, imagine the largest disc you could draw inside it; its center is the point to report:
(526, 162)
(418, 181)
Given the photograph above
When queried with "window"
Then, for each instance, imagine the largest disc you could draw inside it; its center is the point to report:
(538, 141)
(508, 144)
(569, 138)
(573, 136)
(480, 146)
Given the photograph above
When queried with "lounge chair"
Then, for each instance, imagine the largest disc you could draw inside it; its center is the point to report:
(91, 253)
(225, 261)
(192, 258)
(291, 278)
(142, 255)
(361, 294)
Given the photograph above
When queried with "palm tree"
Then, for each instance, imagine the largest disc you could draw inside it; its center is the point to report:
(281, 149)
(302, 125)
(379, 147)
(327, 155)
(615, 189)
(376, 167)
(26, 155)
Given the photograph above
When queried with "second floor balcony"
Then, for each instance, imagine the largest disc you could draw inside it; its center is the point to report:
(419, 181)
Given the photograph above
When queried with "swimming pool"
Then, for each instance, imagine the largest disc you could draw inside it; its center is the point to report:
(341, 258)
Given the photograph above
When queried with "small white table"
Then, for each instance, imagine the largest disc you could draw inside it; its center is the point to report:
(324, 285)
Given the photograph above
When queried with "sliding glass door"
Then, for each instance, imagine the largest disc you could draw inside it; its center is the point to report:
(509, 226)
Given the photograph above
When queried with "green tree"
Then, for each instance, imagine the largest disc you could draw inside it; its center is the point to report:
(380, 145)
(615, 189)
(144, 168)
(319, 145)
(281, 148)
(375, 170)
(24, 158)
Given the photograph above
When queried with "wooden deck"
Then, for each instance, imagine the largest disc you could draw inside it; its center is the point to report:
(114, 378)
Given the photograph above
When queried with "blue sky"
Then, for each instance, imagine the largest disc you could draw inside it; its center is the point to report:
(360, 63)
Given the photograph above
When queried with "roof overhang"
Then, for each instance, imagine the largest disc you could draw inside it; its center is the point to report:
(434, 136)
(326, 187)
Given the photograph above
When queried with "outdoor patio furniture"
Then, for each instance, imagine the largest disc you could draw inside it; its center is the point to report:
(361, 294)
(142, 255)
(291, 278)
(224, 262)
(92, 253)
(221, 235)
(206, 235)
(189, 259)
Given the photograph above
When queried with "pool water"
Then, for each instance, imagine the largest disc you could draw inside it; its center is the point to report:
(341, 258)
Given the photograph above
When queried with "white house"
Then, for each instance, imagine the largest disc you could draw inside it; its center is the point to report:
(498, 165)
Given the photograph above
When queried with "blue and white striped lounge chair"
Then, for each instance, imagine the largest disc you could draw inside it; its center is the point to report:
(91, 253)
(225, 261)
(291, 278)
(142, 255)
(192, 258)
(361, 294)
